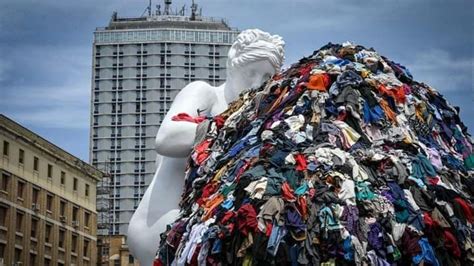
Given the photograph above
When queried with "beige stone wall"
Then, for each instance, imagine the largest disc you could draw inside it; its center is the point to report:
(40, 177)
(46, 217)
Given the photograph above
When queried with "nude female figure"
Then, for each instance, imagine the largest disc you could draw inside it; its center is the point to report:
(253, 58)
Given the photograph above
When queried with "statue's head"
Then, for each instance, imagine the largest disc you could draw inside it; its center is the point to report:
(253, 58)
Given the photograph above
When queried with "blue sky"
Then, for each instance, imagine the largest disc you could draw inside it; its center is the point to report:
(46, 48)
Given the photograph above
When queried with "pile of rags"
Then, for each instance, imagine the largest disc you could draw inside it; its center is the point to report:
(341, 159)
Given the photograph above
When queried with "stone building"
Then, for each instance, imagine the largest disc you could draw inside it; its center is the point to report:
(47, 202)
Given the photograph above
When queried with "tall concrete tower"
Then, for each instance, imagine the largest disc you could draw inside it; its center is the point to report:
(139, 65)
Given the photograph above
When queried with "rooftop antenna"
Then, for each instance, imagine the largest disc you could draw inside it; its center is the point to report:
(149, 8)
(158, 10)
(194, 8)
(167, 7)
(114, 16)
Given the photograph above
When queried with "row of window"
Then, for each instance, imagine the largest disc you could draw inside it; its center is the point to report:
(50, 168)
(191, 52)
(49, 205)
(117, 143)
(143, 74)
(139, 95)
(118, 107)
(37, 228)
(186, 75)
(163, 45)
(143, 66)
(165, 35)
(117, 131)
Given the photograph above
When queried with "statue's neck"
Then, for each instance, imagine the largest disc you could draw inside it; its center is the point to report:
(229, 87)
(225, 94)
(220, 105)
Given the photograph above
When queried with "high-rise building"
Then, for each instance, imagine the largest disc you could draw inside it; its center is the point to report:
(139, 65)
(47, 202)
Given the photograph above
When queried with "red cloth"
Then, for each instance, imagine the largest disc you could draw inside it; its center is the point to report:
(306, 69)
(429, 222)
(301, 163)
(157, 262)
(227, 217)
(433, 180)
(194, 258)
(400, 94)
(188, 118)
(207, 191)
(247, 219)
(466, 208)
(219, 121)
(287, 192)
(202, 151)
(451, 244)
(242, 170)
(303, 207)
(230, 228)
(342, 115)
(269, 229)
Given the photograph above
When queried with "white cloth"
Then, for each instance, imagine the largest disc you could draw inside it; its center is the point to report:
(295, 122)
(257, 188)
(347, 192)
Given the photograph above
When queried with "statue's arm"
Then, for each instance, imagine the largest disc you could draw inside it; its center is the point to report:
(175, 138)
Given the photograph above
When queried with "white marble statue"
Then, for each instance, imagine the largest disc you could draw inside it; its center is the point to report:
(253, 58)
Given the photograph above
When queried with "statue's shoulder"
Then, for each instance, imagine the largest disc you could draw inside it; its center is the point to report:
(200, 88)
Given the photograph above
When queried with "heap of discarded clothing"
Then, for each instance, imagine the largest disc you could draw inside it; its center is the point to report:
(342, 159)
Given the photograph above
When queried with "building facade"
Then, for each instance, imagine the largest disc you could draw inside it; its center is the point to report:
(47, 202)
(139, 65)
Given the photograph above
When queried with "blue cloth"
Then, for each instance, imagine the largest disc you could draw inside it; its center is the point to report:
(374, 114)
(396, 191)
(276, 236)
(363, 191)
(237, 147)
(302, 189)
(327, 219)
(228, 203)
(216, 247)
(452, 162)
(348, 78)
(422, 167)
(253, 152)
(294, 253)
(348, 250)
(231, 174)
(427, 253)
